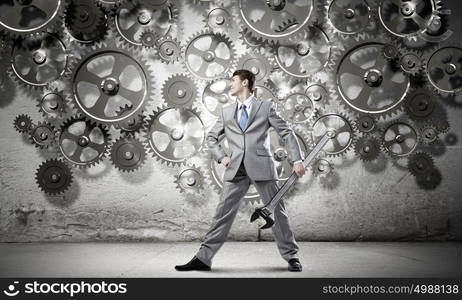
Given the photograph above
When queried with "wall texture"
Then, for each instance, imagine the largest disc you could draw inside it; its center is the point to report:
(358, 202)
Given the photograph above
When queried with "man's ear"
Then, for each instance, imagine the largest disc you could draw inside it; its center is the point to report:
(245, 82)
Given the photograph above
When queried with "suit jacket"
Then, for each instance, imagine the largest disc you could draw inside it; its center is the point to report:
(252, 145)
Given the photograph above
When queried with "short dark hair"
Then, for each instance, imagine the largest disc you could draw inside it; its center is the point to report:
(246, 74)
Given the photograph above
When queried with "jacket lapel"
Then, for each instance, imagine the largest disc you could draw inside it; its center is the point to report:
(255, 107)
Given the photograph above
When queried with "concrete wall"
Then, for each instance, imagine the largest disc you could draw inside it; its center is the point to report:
(105, 204)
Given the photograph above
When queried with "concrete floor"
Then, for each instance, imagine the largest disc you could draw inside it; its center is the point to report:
(235, 259)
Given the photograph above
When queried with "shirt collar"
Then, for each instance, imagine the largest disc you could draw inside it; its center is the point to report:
(247, 101)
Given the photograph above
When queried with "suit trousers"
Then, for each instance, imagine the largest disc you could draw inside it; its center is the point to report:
(231, 195)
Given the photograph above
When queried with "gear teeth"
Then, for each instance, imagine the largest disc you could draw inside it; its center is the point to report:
(420, 163)
(367, 148)
(43, 139)
(190, 179)
(23, 123)
(169, 49)
(399, 122)
(185, 95)
(133, 156)
(53, 177)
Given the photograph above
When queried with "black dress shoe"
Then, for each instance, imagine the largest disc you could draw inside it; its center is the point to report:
(194, 265)
(295, 265)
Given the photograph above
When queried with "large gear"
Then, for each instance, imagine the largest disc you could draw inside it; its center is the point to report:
(344, 132)
(304, 53)
(128, 154)
(23, 123)
(400, 138)
(174, 134)
(108, 78)
(349, 17)
(169, 49)
(367, 148)
(209, 55)
(86, 21)
(420, 163)
(39, 62)
(32, 17)
(190, 179)
(444, 71)
(179, 91)
(133, 18)
(53, 103)
(369, 83)
(43, 135)
(273, 20)
(53, 177)
(82, 142)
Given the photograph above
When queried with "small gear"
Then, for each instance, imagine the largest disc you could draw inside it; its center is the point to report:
(169, 49)
(297, 107)
(349, 17)
(321, 167)
(442, 125)
(367, 148)
(190, 179)
(39, 62)
(411, 63)
(400, 138)
(256, 62)
(133, 18)
(174, 134)
(420, 104)
(52, 104)
(344, 132)
(86, 21)
(366, 124)
(218, 18)
(209, 55)
(430, 180)
(443, 70)
(148, 38)
(179, 91)
(53, 177)
(107, 78)
(132, 124)
(23, 123)
(43, 135)
(31, 17)
(82, 142)
(318, 92)
(128, 154)
(429, 134)
(420, 163)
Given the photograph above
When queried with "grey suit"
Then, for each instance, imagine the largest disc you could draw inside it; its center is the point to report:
(250, 162)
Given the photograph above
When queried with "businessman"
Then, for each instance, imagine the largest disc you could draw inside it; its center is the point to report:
(246, 124)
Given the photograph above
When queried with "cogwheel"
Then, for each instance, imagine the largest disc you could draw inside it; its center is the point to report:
(82, 142)
(400, 138)
(341, 125)
(127, 154)
(274, 20)
(216, 95)
(366, 124)
(419, 104)
(258, 64)
(407, 19)
(411, 63)
(443, 69)
(349, 17)
(179, 91)
(86, 21)
(441, 125)
(132, 19)
(367, 82)
(53, 176)
(209, 55)
(429, 134)
(218, 18)
(132, 124)
(107, 78)
(367, 148)
(321, 167)
(23, 123)
(304, 53)
(53, 103)
(43, 135)
(169, 49)
(420, 163)
(174, 134)
(319, 93)
(148, 38)
(190, 179)
(297, 107)
(430, 180)
(32, 17)
(39, 62)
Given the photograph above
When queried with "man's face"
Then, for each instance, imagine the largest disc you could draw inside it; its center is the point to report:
(236, 85)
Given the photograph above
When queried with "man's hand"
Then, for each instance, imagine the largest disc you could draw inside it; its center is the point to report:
(299, 169)
(225, 161)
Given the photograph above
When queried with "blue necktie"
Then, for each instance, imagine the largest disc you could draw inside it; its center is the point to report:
(244, 117)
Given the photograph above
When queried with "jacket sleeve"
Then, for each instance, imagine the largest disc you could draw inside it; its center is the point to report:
(286, 133)
(213, 138)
